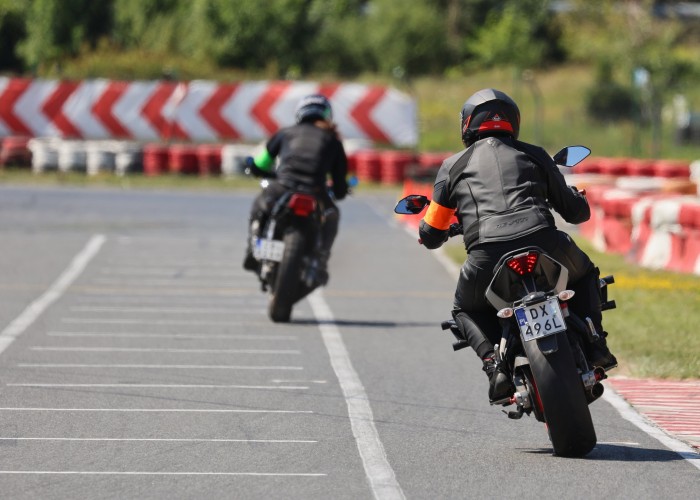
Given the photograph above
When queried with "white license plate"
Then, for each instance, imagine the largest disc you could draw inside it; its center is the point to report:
(540, 320)
(268, 249)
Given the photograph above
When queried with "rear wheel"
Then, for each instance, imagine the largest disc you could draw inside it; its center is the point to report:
(288, 278)
(562, 399)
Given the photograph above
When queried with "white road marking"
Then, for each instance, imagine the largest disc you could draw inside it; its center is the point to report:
(283, 381)
(381, 476)
(185, 440)
(164, 349)
(55, 291)
(140, 473)
(169, 386)
(156, 410)
(224, 336)
(629, 413)
(163, 367)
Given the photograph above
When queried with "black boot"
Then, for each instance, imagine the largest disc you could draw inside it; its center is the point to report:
(600, 354)
(500, 385)
(249, 262)
(322, 270)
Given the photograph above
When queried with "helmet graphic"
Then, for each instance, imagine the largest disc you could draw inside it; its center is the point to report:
(488, 112)
(313, 107)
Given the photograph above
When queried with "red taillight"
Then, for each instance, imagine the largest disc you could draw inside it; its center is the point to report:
(524, 263)
(302, 204)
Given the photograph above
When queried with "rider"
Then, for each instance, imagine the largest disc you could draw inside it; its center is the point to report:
(308, 152)
(501, 191)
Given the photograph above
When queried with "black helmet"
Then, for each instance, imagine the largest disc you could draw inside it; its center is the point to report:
(313, 107)
(488, 112)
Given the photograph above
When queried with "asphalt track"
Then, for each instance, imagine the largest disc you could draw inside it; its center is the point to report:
(137, 361)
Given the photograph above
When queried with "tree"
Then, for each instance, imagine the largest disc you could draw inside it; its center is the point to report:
(60, 28)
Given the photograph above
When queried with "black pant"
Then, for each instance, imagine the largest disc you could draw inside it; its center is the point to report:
(477, 319)
(265, 202)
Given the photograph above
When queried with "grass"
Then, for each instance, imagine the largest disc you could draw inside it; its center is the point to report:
(653, 330)
(552, 106)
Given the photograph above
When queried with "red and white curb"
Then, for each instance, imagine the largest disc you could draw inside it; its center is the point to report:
(673, 406)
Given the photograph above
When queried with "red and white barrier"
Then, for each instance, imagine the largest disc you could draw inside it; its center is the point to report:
(196, 110)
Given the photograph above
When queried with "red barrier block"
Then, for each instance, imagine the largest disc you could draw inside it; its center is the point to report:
(209, 159)
(432, 160)
(615, 167)
(393, 165)
(352, 163)
(183, 159)
(640, 167)
(15, 151)
(155, 159)
(589, 166)
(368, 165)
(672, 168)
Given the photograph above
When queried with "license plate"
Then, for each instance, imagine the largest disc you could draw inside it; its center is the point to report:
(539, 320)
(268, 249)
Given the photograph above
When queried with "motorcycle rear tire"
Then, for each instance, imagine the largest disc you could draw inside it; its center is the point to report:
(288, 278)
(564, 403)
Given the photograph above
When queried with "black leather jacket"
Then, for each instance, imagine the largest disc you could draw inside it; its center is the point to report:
(500, 189)
(307, 155)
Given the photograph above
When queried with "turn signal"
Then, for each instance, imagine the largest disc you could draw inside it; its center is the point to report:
(505, 313)
(566, 295)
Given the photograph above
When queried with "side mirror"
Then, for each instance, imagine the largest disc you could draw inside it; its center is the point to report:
(572, 155)
(412, 204)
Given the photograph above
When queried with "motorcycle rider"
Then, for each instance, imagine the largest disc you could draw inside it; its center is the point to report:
(501, 190)
(308, 152)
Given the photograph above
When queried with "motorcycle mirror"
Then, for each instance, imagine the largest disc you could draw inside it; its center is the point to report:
(572, 155)
(412, 204)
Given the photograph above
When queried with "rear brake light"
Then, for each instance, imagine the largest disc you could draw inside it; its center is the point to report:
(524, 263)
(302, 204)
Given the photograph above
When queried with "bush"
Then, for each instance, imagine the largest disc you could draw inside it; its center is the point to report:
(611, 102)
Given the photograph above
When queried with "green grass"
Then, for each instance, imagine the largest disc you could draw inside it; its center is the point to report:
(654, 329)
(558, 120)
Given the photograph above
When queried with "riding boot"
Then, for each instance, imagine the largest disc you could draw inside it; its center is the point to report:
(500, 385)
(322, 270)
(249, 262)
(600, 354)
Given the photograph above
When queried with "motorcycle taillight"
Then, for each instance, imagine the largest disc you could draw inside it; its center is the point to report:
(302, 204)
(524, 263)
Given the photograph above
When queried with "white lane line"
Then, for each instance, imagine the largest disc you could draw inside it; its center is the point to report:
(224, 336)
(156, 310)
(163, 367)
(165, 322)
(284, 381)
(381, 476)
(184, 440)
(169, 386)
(157, 410)
(629, 413)
(164, 349)
(55, 291)
(141, 473)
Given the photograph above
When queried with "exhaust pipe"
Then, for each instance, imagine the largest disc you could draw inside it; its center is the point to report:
(595, 392)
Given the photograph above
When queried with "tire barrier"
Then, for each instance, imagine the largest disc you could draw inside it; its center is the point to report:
(647, 210)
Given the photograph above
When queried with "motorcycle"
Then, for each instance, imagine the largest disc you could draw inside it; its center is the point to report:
(287, 251)
(544, 345)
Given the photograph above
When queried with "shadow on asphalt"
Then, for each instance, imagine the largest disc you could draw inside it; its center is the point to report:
(620, 453)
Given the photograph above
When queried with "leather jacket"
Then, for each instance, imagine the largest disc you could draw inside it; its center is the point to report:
(499, 189)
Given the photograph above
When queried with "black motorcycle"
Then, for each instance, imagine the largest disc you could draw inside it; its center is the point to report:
(544, 345)
(288, 252)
